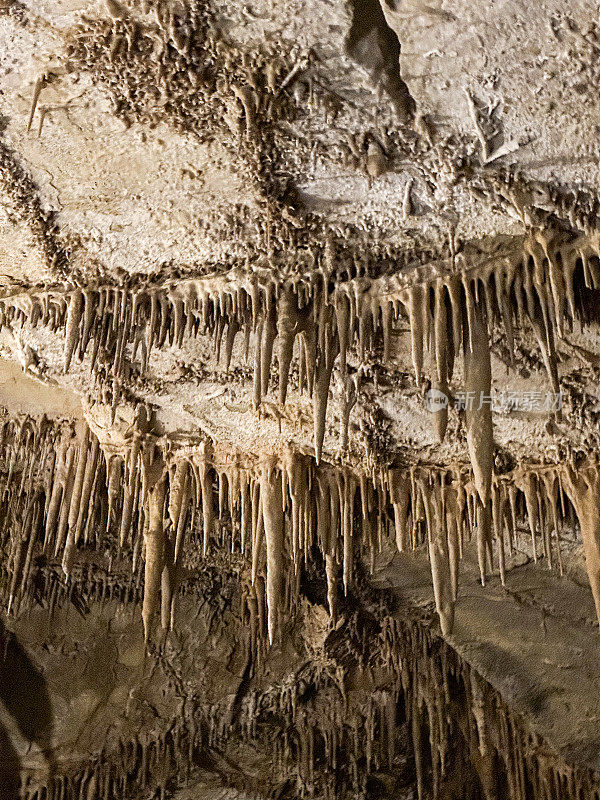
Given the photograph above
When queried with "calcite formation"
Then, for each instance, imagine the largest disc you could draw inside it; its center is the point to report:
(267, 274)
(142, 494)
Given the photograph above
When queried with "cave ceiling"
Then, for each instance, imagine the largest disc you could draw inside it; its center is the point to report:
(242, 246)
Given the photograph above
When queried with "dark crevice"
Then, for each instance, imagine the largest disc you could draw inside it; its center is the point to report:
(375, 46)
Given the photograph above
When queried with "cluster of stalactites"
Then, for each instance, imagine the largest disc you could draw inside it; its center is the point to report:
(403, 686)
(323, 730)
(322, 319)
(331, 740)
(443, 696)
(281, 508)
(49, 474)
(277, 511)
(444, 509)
(63, 490)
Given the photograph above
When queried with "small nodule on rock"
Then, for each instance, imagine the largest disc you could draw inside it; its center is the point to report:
(376, 161)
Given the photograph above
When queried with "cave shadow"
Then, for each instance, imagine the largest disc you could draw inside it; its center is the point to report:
(24, 694)
(373, 44)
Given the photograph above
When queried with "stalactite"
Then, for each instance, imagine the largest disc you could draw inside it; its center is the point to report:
(289, 323)
(76, 305)
(154, 544)
(453, 521)
(207, 501)
(440, 339)
(272, 510)
(75, 504)
(484, 538)
(269, 333)
(67, 489)
(439, 558)
(323, 368)
(347, 497)
(257, 531)
(258, 361)
(529, 490)
(399, 495)
(478, 413)
(583, 487)
(498, 523)
(342, 315)
(416, 306)
(331, 570)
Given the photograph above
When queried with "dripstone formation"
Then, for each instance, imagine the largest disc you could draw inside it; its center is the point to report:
(299, 363)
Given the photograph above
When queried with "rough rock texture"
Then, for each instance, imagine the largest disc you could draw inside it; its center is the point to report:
(300, 347)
